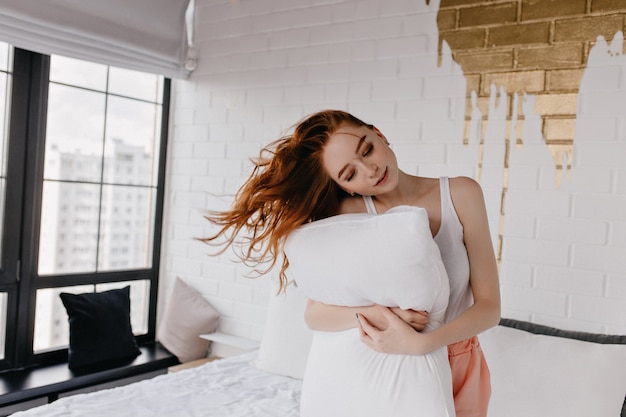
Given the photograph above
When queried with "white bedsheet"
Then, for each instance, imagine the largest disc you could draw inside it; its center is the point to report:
(231, 387)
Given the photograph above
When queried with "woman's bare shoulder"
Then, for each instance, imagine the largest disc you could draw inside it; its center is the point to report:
(464, 186)
(467, 196)
(352, 205)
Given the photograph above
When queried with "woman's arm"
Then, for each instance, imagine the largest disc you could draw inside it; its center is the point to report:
(331, 318)
(482, 315)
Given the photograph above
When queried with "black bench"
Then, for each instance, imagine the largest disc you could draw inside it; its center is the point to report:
(49, 382)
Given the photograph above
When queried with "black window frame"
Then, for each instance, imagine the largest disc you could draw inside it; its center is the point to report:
(19, 276)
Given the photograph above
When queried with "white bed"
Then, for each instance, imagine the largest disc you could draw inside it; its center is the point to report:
(537, 371)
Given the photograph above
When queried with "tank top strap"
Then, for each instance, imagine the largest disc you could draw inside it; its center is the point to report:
(446, 198)
(369, 203)
(449, 218)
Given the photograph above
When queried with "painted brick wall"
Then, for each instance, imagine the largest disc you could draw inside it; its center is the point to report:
(264, 64)
(538, 47)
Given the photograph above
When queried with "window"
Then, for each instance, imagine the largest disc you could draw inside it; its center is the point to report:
(82, 163)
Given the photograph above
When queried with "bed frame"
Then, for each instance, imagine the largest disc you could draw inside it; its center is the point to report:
(539, 329)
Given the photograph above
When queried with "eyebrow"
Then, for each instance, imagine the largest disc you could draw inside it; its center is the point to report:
(358, 146)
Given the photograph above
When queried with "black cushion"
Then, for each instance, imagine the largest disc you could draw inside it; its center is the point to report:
(100, 331)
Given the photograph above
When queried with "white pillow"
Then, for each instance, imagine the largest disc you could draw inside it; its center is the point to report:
(360, 259)
(539, 375)
(286, 339)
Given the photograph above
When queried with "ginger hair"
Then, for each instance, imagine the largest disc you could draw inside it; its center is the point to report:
(287, 188)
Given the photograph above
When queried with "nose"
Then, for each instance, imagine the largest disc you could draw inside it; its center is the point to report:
(371, 169)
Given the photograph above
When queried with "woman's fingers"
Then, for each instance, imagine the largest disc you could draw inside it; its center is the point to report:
(364, 325)
(391, 334)
(416, 318)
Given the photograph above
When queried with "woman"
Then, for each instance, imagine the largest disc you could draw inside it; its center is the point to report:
(325, 168)
(459, 225)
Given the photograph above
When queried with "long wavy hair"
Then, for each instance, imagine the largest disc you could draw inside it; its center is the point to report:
(287, 188)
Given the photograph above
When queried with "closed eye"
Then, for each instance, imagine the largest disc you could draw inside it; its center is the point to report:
(368, 150)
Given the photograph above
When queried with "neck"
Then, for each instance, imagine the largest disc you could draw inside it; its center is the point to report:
(401, 194)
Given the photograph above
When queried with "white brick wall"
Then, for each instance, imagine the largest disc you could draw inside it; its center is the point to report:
(264, 64)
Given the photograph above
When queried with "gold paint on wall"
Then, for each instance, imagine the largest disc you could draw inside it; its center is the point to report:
(529, 46)
(537, 47)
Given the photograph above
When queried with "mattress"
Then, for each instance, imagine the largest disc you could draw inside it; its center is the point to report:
(230, 387)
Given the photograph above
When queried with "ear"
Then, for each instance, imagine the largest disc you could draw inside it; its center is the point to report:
(352, 193)
(380, 134)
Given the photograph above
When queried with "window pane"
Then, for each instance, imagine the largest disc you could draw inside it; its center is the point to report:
(51, 326)
(74, 134)
(51, 321)
(139, 302)
(3, 321)
(5, 96)
(132, 134)
(79, 73)
(69, 227)
(135, 84)
(3, 193)
(6, 57)
(126, 228)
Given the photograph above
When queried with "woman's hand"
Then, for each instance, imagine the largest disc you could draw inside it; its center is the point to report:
(376, 317)
(391, 334)
(415, 318)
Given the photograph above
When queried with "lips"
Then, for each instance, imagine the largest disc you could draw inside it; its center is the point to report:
(383, 178)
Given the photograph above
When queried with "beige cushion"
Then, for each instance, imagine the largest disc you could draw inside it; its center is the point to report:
(187, 315)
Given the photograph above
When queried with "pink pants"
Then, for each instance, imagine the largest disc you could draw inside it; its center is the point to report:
(471, 381)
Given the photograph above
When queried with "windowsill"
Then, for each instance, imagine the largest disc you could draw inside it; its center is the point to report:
(51, 381)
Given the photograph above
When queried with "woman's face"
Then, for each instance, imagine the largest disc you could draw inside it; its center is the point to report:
(360, 160)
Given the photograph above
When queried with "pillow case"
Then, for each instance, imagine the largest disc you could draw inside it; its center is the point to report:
(187, 315)
(286, 338)
(100, 329)
(535, 374)
(360, 259)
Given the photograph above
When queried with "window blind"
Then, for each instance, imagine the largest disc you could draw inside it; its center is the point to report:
(145, 35)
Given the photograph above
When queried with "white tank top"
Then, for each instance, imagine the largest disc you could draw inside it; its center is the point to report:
(449, 238)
